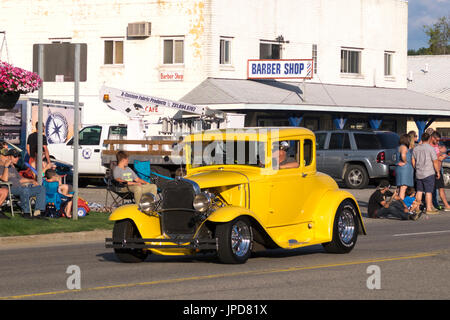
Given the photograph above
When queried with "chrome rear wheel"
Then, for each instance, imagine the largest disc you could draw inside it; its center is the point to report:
(345, 229)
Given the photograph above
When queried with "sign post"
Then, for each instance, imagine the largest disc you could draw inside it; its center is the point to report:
(76, 123)
(40, 117)
(63, 62)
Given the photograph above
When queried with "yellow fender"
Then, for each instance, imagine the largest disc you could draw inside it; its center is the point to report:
(325, 213)
(148, 226)
(229, 213)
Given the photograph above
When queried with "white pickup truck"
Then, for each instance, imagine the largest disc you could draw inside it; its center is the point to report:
(91, 139)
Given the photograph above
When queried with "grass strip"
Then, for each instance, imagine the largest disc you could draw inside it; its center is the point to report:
(19, 226)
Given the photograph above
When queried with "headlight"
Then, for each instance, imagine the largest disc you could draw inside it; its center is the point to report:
(148, 203)
(202, 202)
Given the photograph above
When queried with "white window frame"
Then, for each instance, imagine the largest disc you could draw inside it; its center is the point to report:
(389, 67)
(347, 68)
(222, 55)
(173, 39)
(114, 41)
(273, 43)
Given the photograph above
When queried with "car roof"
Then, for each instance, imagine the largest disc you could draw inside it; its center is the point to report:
(254, 133)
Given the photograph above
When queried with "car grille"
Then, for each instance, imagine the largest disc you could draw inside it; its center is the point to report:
(177, 213)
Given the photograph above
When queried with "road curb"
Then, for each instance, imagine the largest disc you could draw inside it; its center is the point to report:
(54, 239)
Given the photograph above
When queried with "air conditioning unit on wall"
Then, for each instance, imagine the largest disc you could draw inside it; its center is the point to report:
(139, 29)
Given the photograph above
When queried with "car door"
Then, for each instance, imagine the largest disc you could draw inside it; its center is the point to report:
(336, 154)
(89, 150)
(284, 188)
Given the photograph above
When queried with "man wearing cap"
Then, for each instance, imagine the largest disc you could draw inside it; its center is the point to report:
(281, 158)
(380, 207)
(22, 187)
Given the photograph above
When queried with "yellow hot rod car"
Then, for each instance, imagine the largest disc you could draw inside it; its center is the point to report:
(244, 188)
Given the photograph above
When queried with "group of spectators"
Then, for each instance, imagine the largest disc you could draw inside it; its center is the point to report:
(419, 180)
(24, 184)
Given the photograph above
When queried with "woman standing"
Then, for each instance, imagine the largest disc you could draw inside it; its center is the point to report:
(404, 171)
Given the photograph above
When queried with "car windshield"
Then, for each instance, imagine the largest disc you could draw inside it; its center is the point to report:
(231, 152)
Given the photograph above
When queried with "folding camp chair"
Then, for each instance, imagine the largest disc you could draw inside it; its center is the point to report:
(8, 184)
(13, 199)
(53, 197)
(119, 192)
(144, 171)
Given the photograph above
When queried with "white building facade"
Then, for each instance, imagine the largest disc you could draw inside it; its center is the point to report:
(352, 42)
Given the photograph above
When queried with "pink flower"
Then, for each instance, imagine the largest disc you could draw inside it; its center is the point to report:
(14, 79)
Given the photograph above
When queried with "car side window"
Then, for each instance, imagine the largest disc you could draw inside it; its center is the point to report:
(339, 141)
(366, 141)
(285, 154)
(307, 152)
(88, 136)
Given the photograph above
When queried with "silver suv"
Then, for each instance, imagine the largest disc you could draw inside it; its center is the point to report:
(356, 156)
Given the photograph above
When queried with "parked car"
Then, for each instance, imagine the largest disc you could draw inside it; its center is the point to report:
(356, 156)
(238, 199)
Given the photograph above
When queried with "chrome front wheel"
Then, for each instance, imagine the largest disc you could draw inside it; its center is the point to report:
(241, 238)
(235, 240)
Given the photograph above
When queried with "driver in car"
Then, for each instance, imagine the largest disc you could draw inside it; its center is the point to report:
(280, 156)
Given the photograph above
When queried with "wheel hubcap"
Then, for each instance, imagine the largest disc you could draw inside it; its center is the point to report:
(355, 177)
(346, 227)
(240, 238)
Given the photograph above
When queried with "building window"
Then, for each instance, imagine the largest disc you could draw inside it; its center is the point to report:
(225, 51)
(113, 52)
(269, 51)
(173, 51)
(350, 61)
(314, 57)
(388, 57)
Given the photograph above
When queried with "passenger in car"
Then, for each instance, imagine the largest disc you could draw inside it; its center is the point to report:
(280, 156)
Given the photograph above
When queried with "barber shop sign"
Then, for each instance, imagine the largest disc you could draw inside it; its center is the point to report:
(280, 69)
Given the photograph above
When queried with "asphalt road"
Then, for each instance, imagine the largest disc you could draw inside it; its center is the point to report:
(397, 260)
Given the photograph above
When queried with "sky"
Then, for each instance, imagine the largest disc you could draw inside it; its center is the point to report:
(420, 13)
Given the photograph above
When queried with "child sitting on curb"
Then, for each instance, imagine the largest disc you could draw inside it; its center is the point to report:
(410, 200)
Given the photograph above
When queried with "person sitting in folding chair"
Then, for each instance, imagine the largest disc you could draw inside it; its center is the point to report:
(122, 173)
(3, 188)
(57, 195)
(22, 187)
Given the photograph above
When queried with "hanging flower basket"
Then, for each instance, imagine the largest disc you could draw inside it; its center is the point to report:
(14, 82)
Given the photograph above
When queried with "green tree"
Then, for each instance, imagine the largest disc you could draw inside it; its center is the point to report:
(439, 36)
